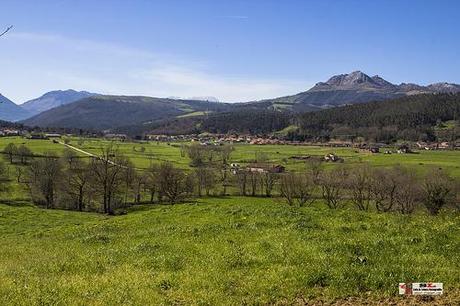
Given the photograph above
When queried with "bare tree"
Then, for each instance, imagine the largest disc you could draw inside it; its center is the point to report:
(225, 153)
(268, 181)
(10, 150)
(19, 173)
(151, 181)
(254, 179)
(77, 177)
(315, 167)
(205, 179)
(296, 188)
(359, 184)
(108, 174)
(242, 181)
(384, 187)
(4, 180)
(69, 156)
(130, 176)
(44, 176)
(408, 194)
(25, 154)
(173, 183)
(140, 182)
(224, 179)
(197, 154)
(333, 185)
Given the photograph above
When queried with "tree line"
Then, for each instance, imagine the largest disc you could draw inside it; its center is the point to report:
(395, 188)
(109, 182)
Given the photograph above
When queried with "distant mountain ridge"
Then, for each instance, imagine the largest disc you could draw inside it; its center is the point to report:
(10, 111)
(109, 112)
(355, 87)
(106, 112)
(54, 99)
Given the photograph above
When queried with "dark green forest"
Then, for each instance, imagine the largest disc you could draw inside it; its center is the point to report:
(407, 118)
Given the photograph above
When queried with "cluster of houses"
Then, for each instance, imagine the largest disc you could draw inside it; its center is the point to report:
(435, 145)
(218, 139)
(9, 132)
(257, 168)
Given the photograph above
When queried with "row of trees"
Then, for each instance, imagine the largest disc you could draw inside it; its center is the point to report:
(385, 189)
(110, 181)
(104, 183)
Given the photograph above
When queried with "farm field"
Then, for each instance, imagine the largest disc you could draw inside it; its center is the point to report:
(158, 152)
(228, 251)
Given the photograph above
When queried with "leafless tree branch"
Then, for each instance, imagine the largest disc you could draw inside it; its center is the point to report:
(6, 31)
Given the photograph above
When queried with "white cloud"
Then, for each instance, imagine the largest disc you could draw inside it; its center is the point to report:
(34, 63)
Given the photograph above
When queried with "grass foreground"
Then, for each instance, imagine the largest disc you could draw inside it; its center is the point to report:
(224, 251)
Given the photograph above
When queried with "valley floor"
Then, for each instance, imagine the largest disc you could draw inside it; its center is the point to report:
(228, 251)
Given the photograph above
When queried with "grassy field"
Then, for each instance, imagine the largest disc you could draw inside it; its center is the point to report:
(159, 152)
(228, 251)
(215, 251)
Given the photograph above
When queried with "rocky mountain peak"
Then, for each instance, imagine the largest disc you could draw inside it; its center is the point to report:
(356, 77)
(444, 87)
(354, 80)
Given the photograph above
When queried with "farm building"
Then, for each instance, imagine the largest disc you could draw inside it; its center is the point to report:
(263, 168)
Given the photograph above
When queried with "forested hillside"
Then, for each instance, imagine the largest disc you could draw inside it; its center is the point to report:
(409, 118)
(414, 118)
(108, 112)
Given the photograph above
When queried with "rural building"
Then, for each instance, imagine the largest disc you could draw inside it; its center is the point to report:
(263, 168)
(53, 135)
(404, 149)
(116, 136)
(331, 157)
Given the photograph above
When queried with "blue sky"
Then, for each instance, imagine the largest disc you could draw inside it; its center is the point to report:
(233, 50)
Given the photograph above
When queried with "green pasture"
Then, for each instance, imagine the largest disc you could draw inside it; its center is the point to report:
(229, 251)
(156, 152)
(224, 251)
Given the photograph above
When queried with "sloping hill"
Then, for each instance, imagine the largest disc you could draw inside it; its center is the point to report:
(54, 99)
(410, 117)
(10, 111)
(106, 112)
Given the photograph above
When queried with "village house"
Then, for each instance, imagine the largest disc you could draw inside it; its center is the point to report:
(263, 168)
(116, 136)
(53, 135)
(403, 149)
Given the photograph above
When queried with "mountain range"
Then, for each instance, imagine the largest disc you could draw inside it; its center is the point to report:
(87, 110)
(10, 111)
(54, 99)
(355, 87)
(106, 112)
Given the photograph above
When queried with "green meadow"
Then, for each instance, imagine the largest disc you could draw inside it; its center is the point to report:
(215, 251)
(142, 154)
(226, 250)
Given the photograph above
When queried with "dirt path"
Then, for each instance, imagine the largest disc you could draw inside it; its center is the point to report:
(93, 155)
